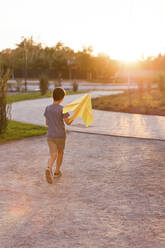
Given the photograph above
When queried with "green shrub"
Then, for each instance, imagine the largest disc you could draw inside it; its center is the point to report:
(9, 86)
(57, 83)
(140, 83)
(160, 80)
(18, 84)
(149, 85)
(44, 84)
(75, 86)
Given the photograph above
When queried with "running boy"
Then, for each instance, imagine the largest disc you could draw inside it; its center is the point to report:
(56, 134)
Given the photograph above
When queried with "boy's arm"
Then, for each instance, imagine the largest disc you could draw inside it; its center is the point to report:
(46, 122)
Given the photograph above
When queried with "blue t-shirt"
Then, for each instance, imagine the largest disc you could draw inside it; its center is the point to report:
(54, 115)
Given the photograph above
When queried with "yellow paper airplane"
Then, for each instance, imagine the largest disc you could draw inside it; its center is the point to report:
(82, 107)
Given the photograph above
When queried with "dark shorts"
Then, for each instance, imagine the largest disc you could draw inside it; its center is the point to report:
(56, 145)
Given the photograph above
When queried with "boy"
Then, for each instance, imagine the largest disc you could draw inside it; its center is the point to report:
(56, 134)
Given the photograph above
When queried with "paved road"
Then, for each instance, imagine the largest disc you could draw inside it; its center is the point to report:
(111, 194)
(83, 85)
(109, 123)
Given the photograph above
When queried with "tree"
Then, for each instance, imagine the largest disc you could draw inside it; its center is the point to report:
(84, 62)
(3, 92)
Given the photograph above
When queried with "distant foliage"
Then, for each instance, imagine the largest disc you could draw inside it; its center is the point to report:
(3, 93)
(57, 61)
(44, 84)
(69, 64)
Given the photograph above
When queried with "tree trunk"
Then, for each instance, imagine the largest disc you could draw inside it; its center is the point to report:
(3, 93)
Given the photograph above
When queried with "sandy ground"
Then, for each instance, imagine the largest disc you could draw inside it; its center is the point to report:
(111, 194)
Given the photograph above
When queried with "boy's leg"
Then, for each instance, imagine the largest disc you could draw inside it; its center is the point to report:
(51, 161)
(59, 161)
(48, 171)
(53, 153)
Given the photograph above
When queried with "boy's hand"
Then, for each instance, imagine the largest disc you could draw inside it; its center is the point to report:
(68, 121)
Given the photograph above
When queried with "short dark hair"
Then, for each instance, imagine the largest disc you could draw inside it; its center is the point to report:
(58, 94)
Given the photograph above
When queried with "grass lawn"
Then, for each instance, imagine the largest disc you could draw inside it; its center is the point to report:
(17, 130)
(152, 103)
(26, 96)
(34, 95)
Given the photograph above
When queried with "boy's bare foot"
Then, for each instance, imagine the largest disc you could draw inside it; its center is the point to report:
(48, 176)
(58, 174)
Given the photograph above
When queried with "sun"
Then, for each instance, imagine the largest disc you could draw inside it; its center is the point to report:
(126, 56)
(126, 51)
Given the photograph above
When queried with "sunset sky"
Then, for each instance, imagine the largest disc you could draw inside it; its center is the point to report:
(123, 29)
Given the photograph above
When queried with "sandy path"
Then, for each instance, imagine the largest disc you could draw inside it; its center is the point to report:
(111, 194)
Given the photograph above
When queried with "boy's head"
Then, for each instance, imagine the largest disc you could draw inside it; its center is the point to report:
(58, 94)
